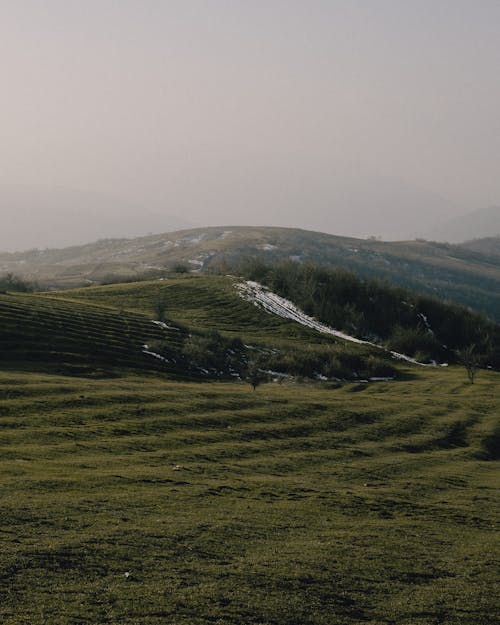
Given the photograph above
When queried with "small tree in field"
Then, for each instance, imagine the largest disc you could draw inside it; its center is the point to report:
(160, 307)
(469, 360)
(255, 377)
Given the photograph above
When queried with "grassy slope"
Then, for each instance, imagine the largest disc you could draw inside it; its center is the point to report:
(201, 302)
(297, 504)
(292, 505)
(40, 329)
(88, 330)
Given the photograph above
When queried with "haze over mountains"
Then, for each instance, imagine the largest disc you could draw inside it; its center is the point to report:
(481, 223)
(355, 119)
(54, 217)
(50, 217)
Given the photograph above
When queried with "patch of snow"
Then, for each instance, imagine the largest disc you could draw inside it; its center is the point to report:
(267, 247)
(145, 350)
(279, 374)
(277, 305)
(225, 234)
(165, 326)
(261, 296)
(296, 259)
(194, 238)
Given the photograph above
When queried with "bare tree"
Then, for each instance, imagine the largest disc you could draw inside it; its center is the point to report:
(468, 358)
(255, 376)
(160, 307)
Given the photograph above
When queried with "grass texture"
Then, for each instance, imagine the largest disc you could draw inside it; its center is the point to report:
(144, 500)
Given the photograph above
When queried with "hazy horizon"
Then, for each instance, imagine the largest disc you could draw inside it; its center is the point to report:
(349, 117)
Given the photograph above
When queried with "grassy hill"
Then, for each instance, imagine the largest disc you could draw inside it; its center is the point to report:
(453, 272)
(40, 330)
(115, 326)
(135, 492)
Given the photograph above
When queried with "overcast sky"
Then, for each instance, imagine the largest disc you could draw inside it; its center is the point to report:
(345, 116)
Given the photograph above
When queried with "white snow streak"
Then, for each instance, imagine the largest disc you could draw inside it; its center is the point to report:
(277, 305)
(165, 326)
(145, 350)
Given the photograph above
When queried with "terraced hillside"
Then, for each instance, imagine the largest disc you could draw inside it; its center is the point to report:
(455, 272)
(140, 500)
(99, 329)
(194, 301)
(38, 330)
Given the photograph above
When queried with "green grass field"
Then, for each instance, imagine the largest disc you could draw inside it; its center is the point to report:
(133, 495)
(142, 500)
(202, 302)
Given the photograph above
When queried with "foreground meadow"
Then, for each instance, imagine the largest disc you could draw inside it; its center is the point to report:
(136, 499)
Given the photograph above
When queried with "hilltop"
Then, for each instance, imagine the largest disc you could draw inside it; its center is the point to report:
(453, 272)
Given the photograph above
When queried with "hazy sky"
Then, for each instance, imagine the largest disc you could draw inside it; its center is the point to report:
(338, 115)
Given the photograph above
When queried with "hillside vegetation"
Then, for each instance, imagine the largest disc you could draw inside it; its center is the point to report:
(489, 246)
(417, 325)
(206, 329)
(454, 272)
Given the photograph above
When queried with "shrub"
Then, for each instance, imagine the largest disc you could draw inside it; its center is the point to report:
(10, 282)
(415, 341)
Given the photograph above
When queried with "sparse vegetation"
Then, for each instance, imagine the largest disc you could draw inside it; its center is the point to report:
(414, 324)
(10, 282)
(180, 268)
(160, 306)
(469, 359)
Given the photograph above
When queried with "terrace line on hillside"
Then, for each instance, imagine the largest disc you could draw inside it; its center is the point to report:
(282, 307)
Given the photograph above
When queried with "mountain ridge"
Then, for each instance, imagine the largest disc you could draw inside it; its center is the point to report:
(454, 272)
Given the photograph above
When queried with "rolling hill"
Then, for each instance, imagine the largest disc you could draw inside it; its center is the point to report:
(136, 492)
(451, 272)
(114, 327)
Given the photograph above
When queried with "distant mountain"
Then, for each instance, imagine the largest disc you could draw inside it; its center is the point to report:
(489, 246)
(451, 272)
(41, 217)
(484, 222)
